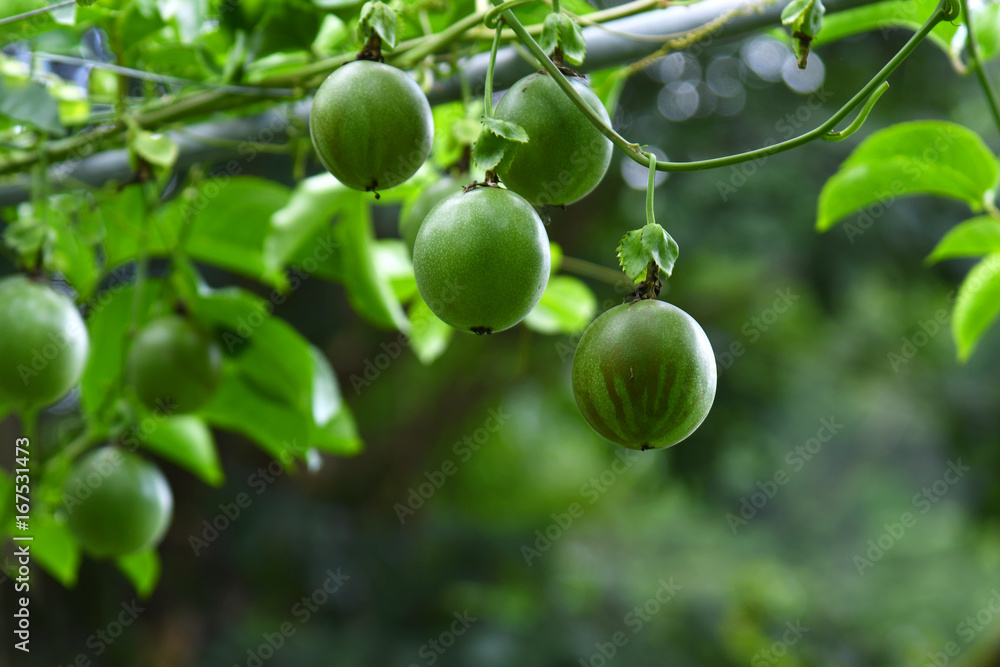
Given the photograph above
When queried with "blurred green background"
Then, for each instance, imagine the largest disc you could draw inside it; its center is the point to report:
(774, 535)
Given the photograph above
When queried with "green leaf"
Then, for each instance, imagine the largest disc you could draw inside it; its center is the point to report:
(488, 150)
(567, 307)
(26, 234)
(108, 324)
(649, 244)
(231, 220)
(338, 436)
(885, 16)
(922, 157)
(977, 305)
(571, 40)
(129, 228)
(70, 252)
(368, 291)
(29, 103)
(143, 569)
(308, 213)
(978, 236)
(505, 129)
(392, 260)
(54, 548)
(803, 18)
(559, 30)
(429, 336)
(182, 439)
(379, 18)
(157, 149)
(276, 427)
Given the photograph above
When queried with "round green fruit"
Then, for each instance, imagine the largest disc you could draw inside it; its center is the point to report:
(565, 156)
(371, 125)
(412, 215)
(174, 365)
(117, 502)
(644, 375)
(482, 260)
(43, 343)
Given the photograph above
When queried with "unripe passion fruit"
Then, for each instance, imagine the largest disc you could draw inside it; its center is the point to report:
(174, 365)
(412, 216)
(482, 260)
(644, 375)
(117, 502)
(565, 156)
(43, 343)
(371, 125)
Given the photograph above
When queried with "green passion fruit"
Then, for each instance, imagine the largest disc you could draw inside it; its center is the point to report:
(43, 344)
(481, 259)
(117, 502)
(174, 365)
(565, 156)
(644, 375)
(413, 214)
(371, 125)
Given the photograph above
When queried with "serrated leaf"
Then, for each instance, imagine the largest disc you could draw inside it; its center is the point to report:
(978, 236)
(922, 157)
(977, 305)
(639, 247)
(804, 18)
(505, 129)
(567, 307)
(571, 40)
(549, 38)
(488, 150)
(142, 569)
(378, 17)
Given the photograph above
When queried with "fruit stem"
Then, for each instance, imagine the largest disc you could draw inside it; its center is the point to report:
(984, 81)
(650, 186)
(943, 12)
(372, 49)
(488, 94)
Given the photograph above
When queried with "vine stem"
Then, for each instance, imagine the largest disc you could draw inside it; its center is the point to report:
(582, 267)
(984, 81)
(946, 10)
(488, 94)
(35, 12)
(650, 186)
